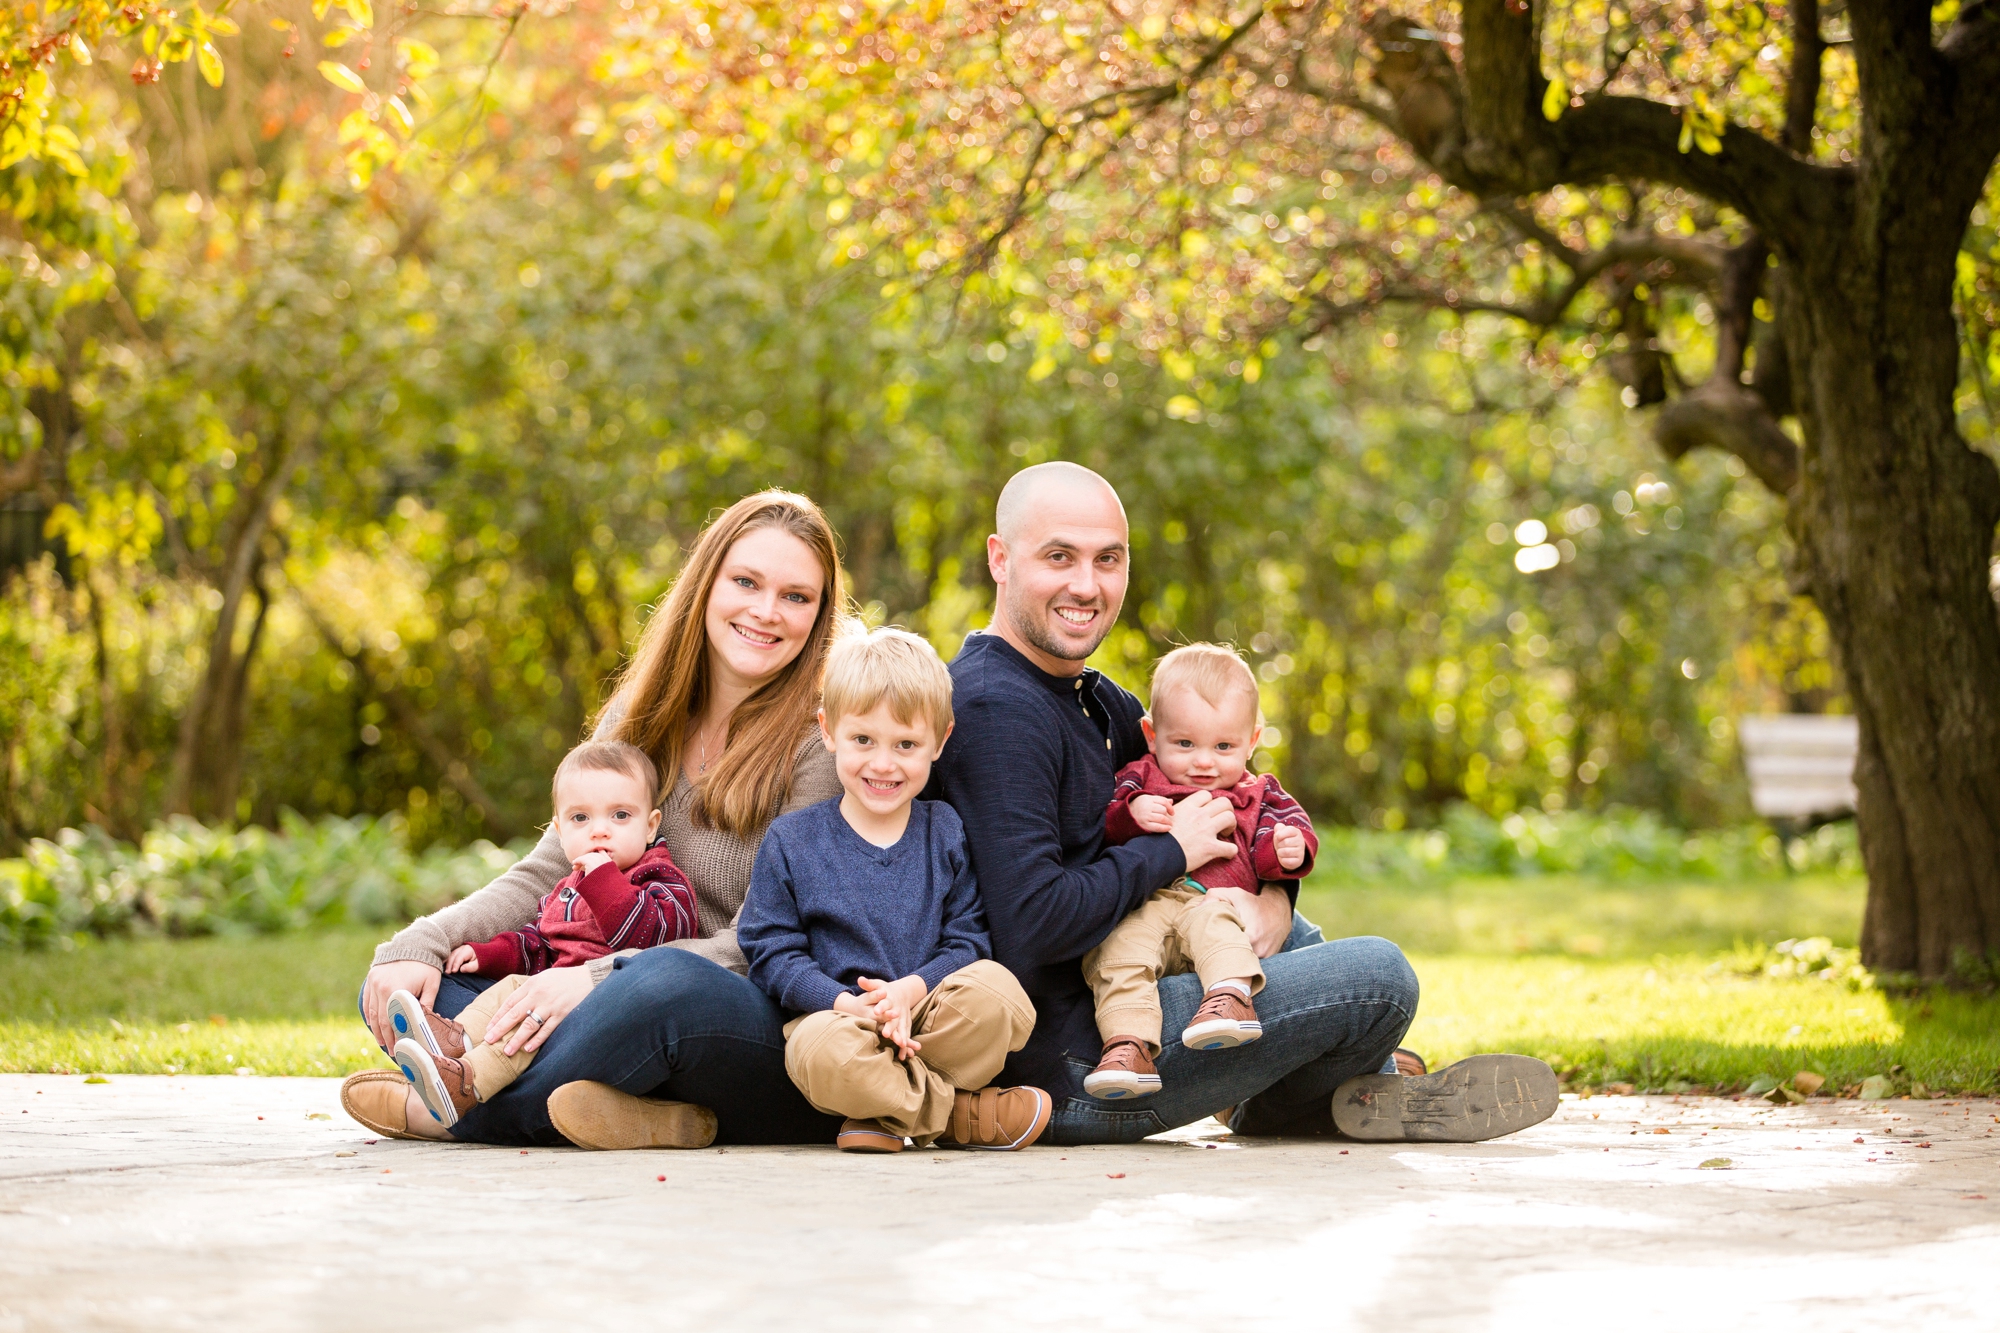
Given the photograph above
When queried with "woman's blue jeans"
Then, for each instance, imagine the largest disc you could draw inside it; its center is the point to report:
(668, 1024)
(672, 1025)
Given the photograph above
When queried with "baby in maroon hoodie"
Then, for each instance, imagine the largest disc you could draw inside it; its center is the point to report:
(1203, 726)
(623, 892)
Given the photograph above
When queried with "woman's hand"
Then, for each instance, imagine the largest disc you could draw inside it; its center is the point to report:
(532, 1012)
(1199, 822)
(1267, 917)
(384, 980)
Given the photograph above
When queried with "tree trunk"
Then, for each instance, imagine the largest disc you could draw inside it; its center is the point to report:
(1895, 520)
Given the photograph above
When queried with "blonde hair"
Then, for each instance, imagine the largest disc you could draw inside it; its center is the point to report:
(666, 683)
(863, 670)
(1211, 670)
(610, 757)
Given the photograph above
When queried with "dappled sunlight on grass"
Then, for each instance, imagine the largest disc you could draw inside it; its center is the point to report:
(325, 1046)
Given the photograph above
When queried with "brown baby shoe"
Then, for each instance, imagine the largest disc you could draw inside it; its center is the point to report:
(1125, 1071)
(868, 1136)
(443, 1084)
(439, 1035)
(1226, 1018)
(997, 1119)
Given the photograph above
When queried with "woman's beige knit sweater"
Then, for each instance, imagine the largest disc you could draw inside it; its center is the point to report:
(718, 863)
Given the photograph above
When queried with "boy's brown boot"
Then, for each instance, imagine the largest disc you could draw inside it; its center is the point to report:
(440, 1035)
(443, 1084)
(868, 1136)
(997, 1119)
(1226, 1018)
(1125, 1071)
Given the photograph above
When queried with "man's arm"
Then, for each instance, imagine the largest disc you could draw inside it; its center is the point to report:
(964, 939)
(1003, 780)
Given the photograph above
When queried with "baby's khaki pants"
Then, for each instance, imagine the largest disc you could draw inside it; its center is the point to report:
(1176, 930)
(491, 1069)
(967, 1027)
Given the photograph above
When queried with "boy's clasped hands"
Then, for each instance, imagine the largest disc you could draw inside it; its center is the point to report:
(888, 1005)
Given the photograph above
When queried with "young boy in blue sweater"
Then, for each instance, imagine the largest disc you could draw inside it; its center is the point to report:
(863, 922)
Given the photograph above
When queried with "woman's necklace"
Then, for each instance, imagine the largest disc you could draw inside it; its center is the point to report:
(701, 759)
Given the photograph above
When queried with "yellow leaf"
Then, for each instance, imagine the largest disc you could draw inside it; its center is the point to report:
(1253, 370)
(1555, 98)
(223, 24)
(1044, 366)
(340, 76)
(400, 114)
(338, 37)
(360, 11)
(419, 58)
(210, 61)
(320, 7)
(78, 51)
(1687, 134)
(1183, 408)
(1707, 142)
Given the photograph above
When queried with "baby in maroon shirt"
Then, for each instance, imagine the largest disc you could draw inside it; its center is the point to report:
(623, 892)
(1204, 724)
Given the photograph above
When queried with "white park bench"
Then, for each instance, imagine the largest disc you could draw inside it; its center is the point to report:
(1800, 766)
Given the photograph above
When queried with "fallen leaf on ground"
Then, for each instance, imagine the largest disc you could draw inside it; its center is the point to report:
(1876, 1088)
(97, 1078)
(1808, 1082)
(1663, 1131)
(1114, 1175)
(1716, 1164)
(345, 1153)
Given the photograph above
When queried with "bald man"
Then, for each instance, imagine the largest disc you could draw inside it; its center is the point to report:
(1030, 769)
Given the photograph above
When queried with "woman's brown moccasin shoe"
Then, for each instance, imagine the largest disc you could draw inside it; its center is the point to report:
(379, 1099)
(597, 1115)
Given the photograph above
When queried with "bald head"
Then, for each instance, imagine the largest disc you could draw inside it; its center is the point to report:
(1059, 560)
(1046, 490)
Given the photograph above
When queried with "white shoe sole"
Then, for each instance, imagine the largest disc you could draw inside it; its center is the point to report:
(1119, 1085)
(406, 1016)
(1220, 1034)
(1481, 1097)
(417, 1066)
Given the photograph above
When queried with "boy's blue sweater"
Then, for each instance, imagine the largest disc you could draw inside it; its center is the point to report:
(826, 906)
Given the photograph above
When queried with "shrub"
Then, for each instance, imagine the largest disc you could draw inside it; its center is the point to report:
(187, 879)
(1619, 844)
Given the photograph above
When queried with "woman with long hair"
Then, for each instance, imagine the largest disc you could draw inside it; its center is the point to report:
(665, 1046)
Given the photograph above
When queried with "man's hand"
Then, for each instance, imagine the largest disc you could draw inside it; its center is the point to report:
(1267, 917)
(384, 980)
(1199, 823)
(1153, 814)
(589, 861)
(1290, 845)
(462, 959)
(532, 1012)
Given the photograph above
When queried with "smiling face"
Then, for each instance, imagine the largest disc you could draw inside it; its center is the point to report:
(1060, 565)
(883, 763)
(605, 810)
(761, 607)
(1197, 743)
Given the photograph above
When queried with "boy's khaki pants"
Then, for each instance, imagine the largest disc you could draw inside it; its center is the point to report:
(967, 1027)
(491, 1070)
(1176, 930)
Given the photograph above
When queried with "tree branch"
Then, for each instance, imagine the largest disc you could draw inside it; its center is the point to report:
(1725, 415)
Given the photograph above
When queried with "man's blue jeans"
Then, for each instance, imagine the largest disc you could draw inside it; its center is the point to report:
(1330, 1010)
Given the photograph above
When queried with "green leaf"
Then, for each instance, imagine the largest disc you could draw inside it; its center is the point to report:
(340, 76)
(1555, 97)
(1717, 1164)
(210, 62)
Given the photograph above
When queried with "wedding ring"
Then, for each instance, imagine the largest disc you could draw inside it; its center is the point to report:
(535, 1017)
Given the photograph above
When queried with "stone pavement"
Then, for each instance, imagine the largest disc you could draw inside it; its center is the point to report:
(251, 1203)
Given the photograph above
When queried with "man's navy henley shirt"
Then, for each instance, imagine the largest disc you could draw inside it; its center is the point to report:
(1029, 768)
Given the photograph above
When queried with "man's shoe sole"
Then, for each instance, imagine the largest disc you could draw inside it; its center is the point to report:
(415, 1062)
(597, 1115)
(1479, 1098)
(1220, 1035)
(406, 1016)
(1117, 1085)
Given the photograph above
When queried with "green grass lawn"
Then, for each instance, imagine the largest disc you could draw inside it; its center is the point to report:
(1613, 983)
